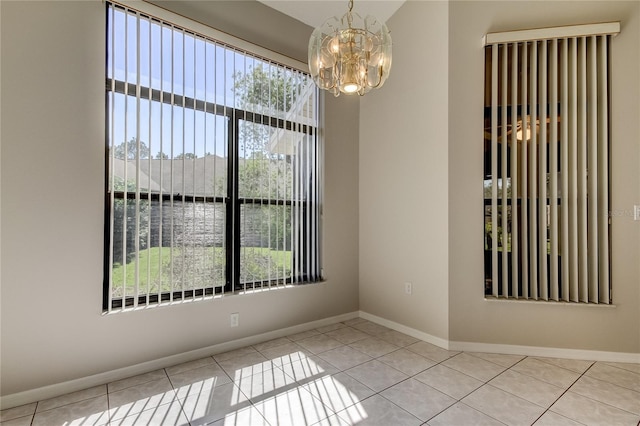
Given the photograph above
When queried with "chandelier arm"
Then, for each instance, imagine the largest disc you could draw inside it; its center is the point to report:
(379, 79)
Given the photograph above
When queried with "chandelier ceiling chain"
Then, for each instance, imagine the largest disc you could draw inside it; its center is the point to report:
(351, 54)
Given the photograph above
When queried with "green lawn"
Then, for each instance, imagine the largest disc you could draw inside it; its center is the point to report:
(194, 267)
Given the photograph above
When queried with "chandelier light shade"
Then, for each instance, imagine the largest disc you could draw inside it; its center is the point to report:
(350, 55)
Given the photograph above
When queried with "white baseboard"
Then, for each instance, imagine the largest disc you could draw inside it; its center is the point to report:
(51, 391)
(438, 341)
(590, 355)
(584, 354)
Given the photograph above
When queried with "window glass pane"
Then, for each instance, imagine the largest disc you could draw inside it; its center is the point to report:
(265, 238)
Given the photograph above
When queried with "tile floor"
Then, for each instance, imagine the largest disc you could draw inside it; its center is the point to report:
(356, 372)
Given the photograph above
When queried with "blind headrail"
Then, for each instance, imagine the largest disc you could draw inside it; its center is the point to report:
(606, 28)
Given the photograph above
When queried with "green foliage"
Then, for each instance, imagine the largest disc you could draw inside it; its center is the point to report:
(186, 156)
(272, 88)
(131, 150)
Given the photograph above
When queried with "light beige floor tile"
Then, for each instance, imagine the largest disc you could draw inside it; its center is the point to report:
(338, 391)
(248, 416)
(271, 344)
(460, 414)
(378, 411)
(625, 366)
(285, 354)
(333, 420)
(421, 400)
(303, 335)
(590, 412)
(449, 381)
(374, 347)
(533, 390)
(617, 376)
(549, 418)
(310, 368)
(474, 366)
(318, 344)
(619, 397)
(19, 421)
(371, 328)
(145, 396)
(577, 365)
(347, 335)
(503, 406)
(136, 380)
(196, 380)
(224, 356)
(88, 412)
(294, 407)
(166, 415)
(330, 327)
(70, 398)
(376, 375)
(245, 365)
(344, 357)
(14, 413)
(214, 404)
(546, 372)
(406, 361)
(397, 338)
(430, 351)
(190, 365)
(265, 385)
(500, 359)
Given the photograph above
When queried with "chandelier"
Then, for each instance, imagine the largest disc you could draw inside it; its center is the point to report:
(350, 55)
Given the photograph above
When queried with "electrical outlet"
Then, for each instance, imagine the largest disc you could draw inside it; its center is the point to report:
(408, 288)
(234, 319)
(636, 212)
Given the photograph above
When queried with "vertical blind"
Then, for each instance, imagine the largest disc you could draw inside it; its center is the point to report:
(213, 166)
(546, 179)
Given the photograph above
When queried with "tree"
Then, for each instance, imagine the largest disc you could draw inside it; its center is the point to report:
(131, 148)
(186, 156)
(161, 156)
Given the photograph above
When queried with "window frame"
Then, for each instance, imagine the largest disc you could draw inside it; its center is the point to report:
(233, 201)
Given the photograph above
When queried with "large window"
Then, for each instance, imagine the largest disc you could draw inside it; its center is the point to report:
(546, 164)
(212, 166)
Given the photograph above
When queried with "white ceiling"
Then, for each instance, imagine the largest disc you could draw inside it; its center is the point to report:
(315, 12)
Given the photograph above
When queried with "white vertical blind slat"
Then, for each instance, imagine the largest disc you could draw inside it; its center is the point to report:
(136, 243)
(592, 165)
(573, 171)
(582, 171)
(543, 226)
(494, 169)
(504, 179)
(533, 168)
(524, 173)
(553, 169)
(603, 167)
(514, 172)
(111, 155)
(564, 169)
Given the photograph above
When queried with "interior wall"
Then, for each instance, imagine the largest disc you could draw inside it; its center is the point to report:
(52, 174)
(403, 176)
(472, 319)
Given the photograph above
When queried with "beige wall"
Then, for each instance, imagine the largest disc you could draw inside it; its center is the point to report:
(403, 177)
(547, 325)
(52, 328)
